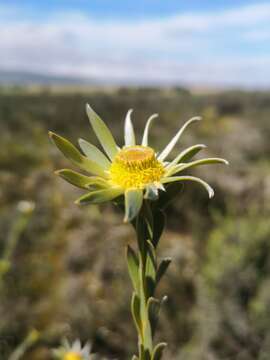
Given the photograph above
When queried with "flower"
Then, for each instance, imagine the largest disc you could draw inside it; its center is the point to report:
(135, 171)
(26, 207)
(75, 351)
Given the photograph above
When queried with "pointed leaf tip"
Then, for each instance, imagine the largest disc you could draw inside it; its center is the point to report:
(147, 128)
(74, 155)
(129, 130)
(102, 132)
(175, 139)
(158, 351)
(211, 193)
(190, 178)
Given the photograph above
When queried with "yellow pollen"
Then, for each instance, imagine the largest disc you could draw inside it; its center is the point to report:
(136, 167)
(71, 355)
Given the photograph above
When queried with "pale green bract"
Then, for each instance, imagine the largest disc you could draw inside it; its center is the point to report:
(100, 186)
(130, 139)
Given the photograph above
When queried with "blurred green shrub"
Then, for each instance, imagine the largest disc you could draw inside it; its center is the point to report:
(60, 284)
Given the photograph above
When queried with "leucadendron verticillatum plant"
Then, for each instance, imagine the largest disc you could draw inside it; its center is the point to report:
(142, 182)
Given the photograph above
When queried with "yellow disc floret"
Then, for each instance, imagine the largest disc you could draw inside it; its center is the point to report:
(71, 355)
(136, 167)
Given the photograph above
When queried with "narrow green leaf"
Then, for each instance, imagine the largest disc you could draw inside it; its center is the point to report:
(133, 203)
(129, 130)
(190, 178)
(133, 268)
(102, 132)
(153, 308)
(94, 154)
(159, 224)
(97, 183)
(74, 178)
(187, 154)
(176, 169)
(99, 196)
(75, 156)
(158, 351)
(147, 215)
(163, 266)
(150, 285)
(175, 139)
(135, 310)
(82, 181)
(147, 128)
(151, 261)
(142, 231)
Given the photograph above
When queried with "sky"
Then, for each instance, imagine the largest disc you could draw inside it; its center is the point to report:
(200, 43)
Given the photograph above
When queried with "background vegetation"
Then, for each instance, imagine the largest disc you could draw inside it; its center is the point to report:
(65, 274)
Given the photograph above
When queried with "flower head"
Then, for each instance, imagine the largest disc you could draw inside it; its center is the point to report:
(74, 351)
(135, 167)
(135, 171)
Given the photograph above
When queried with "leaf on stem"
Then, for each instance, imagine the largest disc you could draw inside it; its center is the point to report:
(151, 264)
(133, 268)
(158, 351)
(135, 310)
(153, 308)
(163, 266)
(159, 224)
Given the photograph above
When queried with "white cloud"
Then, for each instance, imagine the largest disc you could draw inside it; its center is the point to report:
(210, 47)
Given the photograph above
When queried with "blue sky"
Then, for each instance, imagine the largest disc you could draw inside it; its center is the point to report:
(198, 43)
(123, 8)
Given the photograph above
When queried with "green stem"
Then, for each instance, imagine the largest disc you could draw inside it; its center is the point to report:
(144, 270)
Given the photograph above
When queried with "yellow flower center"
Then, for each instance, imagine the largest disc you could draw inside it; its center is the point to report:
(136, 167)
(71, 355)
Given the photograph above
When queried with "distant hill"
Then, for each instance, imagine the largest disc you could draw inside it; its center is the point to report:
(29, 78)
